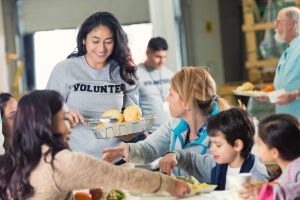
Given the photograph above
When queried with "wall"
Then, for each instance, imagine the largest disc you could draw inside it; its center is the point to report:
(233, 45)
(4, 83)
(202, 26)
(37, 15)
(163, 19)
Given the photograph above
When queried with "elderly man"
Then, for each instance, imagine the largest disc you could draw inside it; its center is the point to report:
(154, 81)
(288, 70)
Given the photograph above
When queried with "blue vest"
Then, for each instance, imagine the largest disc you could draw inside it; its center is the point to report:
(218, 173)
(182, 127)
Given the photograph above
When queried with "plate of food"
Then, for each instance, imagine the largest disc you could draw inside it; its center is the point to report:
(115, 195)
(196, 187)
(250, 93)
(248, 89)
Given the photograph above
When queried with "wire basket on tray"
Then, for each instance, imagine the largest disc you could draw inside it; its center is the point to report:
(125, 128)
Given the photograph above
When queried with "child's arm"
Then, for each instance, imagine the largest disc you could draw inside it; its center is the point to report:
(289, 191)
(196, 165)
(270, 191)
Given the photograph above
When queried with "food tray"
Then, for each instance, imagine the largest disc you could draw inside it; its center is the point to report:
(125, 128)
(250, 93)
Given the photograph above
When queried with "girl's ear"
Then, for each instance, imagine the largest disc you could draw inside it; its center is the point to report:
(238, 145)
(83, 42)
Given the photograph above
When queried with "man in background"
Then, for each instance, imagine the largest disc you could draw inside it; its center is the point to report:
(154, 82)
(288, 69)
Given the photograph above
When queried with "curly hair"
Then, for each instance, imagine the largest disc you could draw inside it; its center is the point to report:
(121, 53)
(32, 129)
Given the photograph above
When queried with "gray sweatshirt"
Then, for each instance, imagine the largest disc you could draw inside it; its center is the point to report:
(91, 92)
(153, 88)
(200, 166)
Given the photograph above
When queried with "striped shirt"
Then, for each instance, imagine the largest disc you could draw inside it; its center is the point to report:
(288, 184)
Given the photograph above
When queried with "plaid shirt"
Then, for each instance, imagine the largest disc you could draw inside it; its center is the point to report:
(288, 187)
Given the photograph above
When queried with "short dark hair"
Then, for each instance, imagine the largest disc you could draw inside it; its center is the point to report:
(235, 124)
(157, 44)
(281, 131)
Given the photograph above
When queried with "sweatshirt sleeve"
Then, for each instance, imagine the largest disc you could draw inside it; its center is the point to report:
(58, 80)
(78, 171)
(199, 166)
(153, 147)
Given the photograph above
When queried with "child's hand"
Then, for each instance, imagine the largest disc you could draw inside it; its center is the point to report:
(250, 191)
(167, 163)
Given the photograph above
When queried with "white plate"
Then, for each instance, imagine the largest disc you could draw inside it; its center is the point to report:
(273, 96)
(250, 93)
(207, 189)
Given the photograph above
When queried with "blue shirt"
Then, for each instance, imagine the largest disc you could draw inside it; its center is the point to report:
(287, 76)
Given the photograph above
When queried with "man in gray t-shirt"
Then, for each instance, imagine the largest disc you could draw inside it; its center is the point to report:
(154, 82)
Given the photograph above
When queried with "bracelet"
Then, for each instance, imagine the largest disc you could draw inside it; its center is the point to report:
(160, 183)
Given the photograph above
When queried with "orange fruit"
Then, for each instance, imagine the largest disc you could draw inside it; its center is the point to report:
(269, 88)
(82, 196)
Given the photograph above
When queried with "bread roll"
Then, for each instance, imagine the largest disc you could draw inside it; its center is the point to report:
(245, 87)
(114, 113)
(132, 113)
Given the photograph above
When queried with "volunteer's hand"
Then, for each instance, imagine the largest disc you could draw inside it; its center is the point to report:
(75, 117)
(286, 98)
(110, 154)
(167, 163)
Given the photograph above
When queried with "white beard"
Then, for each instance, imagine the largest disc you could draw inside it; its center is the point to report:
(279, 38)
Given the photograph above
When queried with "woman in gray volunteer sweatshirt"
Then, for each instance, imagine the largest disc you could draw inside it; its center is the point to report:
(192, 99)
(99, 76)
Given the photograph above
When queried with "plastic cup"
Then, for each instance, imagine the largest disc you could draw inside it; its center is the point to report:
(236, 183)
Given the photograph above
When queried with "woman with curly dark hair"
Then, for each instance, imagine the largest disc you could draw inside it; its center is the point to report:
(39, 165)
(98, 76)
